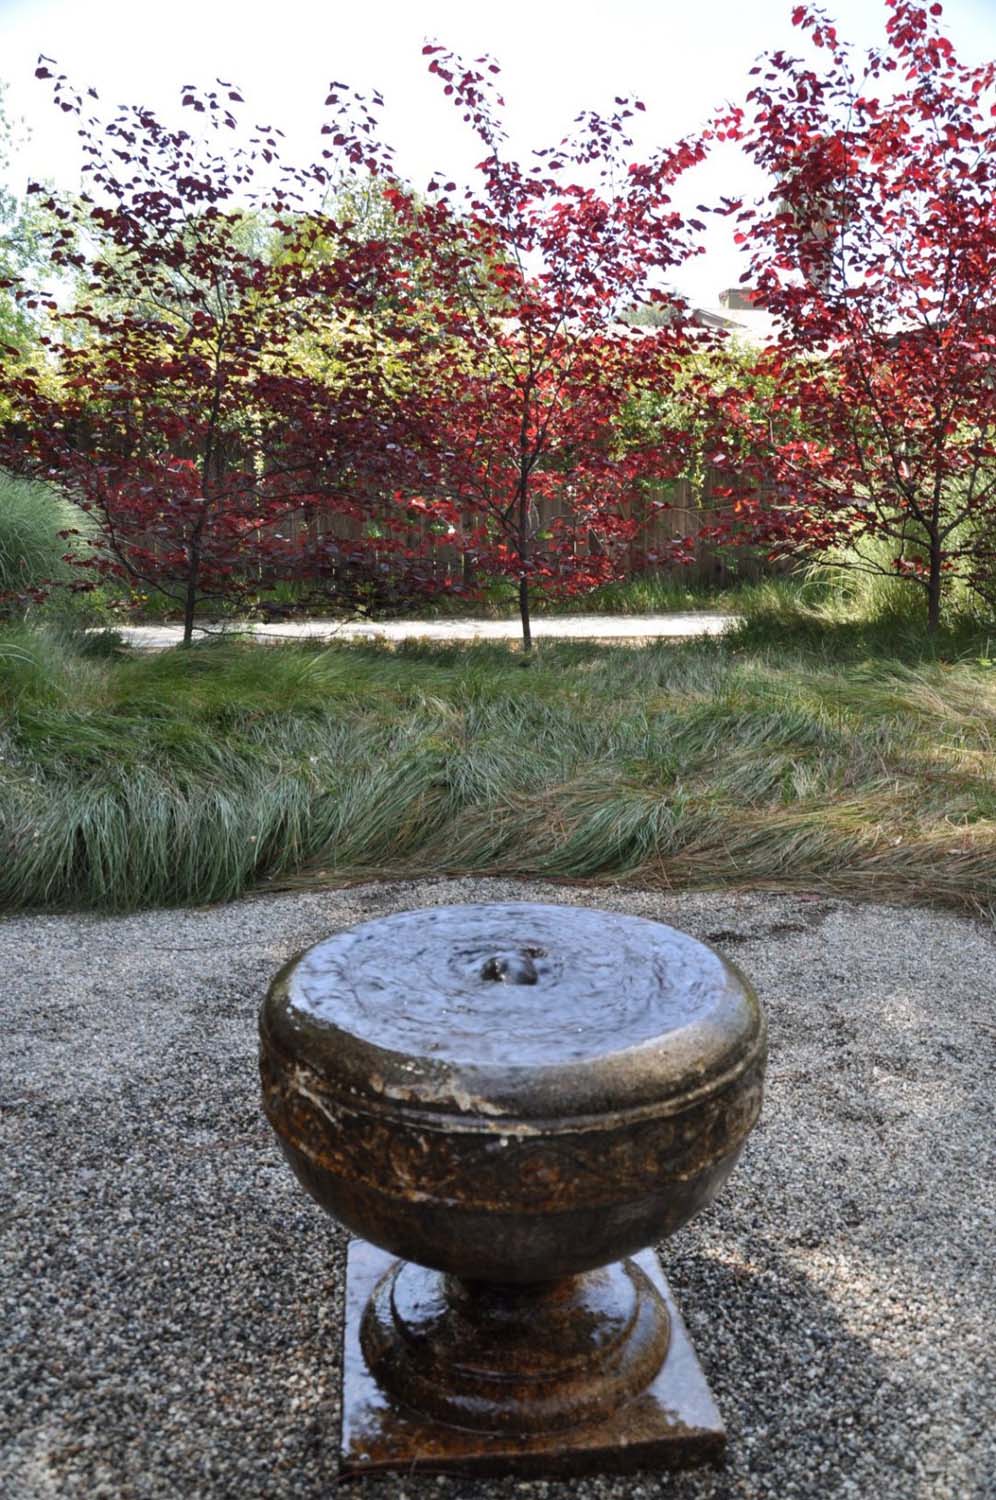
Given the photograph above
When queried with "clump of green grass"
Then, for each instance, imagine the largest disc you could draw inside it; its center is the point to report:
(827, 626)
(194, 776)
(852, 603)
(649, 593)
(32, 554)
(38, 565)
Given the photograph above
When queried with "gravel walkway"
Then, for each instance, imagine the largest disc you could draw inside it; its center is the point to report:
(170, 1299)
(560, 627)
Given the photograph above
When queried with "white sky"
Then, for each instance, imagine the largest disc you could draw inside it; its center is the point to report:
(682, 57)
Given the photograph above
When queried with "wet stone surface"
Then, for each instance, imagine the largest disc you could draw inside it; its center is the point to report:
(511, 983)
(171, 1301)
(563, 1427)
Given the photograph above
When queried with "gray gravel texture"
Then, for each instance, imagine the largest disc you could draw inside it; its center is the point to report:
(172, 1300)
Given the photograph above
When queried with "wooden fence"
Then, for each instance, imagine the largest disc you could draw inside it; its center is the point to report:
(448, 560)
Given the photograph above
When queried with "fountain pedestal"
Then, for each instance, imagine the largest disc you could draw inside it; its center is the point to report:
(508, 1103)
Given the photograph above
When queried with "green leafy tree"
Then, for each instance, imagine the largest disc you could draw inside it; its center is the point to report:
(18, 250)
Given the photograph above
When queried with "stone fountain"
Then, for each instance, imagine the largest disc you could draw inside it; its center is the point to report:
(508, 1104)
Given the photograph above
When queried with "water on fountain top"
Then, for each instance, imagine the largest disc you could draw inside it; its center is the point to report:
(514, 985)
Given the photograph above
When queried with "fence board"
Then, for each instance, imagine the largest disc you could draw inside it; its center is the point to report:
(684, 516)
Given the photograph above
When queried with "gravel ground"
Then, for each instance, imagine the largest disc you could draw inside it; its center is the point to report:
(561, 627)
(171, 1299)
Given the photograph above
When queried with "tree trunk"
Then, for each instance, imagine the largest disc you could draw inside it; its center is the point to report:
(523, 551)
(190, 597)
(934, 587)
(527, 635)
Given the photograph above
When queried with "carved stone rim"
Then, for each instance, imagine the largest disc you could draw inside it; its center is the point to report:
(298, 1075)
(636, 1083)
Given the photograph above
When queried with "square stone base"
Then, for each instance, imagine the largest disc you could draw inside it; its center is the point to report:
(672, 1424)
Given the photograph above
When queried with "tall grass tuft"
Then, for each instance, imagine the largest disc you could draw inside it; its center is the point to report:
(31, 551)
(194, 776)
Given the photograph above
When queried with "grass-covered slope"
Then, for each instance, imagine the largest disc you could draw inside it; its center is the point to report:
(770, 759)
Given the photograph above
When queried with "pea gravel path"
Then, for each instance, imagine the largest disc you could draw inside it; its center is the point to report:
(550, 627)
(170, 1300)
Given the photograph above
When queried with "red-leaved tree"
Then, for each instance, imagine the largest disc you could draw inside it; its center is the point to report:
(210, 374)
(875, 250)
(531, 372)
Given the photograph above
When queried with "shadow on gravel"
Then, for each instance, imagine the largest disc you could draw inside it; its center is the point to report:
(802, 1398)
